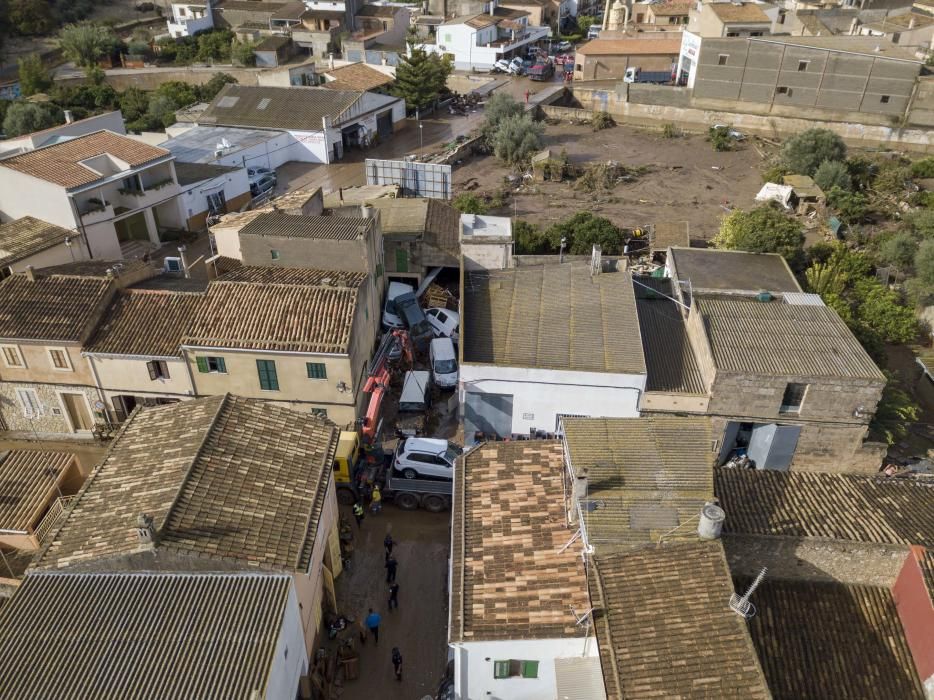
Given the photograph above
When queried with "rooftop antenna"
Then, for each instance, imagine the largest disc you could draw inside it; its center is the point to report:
(741, 605)
(580, 619)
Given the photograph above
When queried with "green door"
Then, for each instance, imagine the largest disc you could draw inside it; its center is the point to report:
(402, 260)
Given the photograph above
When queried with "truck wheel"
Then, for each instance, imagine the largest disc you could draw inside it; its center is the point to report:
(406, 501)
(409, 473)
(346, 496)
(434, 504)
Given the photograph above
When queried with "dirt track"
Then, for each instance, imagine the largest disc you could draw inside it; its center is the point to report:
(681, 183)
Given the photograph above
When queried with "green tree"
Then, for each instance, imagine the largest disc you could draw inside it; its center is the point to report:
(765, 229)
(33, 77)
(881, 311)
(469, 203)
(851, 207)
(921, 223)
(26, 117)
(208, 91)
(161, 111)
(824, 279)
(923, 167)
(500, 106)
(214, 46)
(30, 17)
(242, 53)
(517, 139)
(832, 173)
(585, 22)
(894, 413)
(179, 93)
(584, 230)
(530, 239)
(421, 78)
(86, 43)
(899, 250)
(804, 153)
(892, 178)
(134, 103)
(923, 263)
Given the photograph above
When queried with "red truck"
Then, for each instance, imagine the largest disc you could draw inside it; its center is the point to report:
(542, 70)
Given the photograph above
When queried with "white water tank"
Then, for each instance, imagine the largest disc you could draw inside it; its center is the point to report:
(711, 522)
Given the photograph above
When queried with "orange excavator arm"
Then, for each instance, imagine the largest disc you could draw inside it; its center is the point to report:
(376, 386)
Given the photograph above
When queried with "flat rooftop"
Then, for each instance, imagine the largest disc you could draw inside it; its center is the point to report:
(198, 144)
(731, 270)
(478, 225)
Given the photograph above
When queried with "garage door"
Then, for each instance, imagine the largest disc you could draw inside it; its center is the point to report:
(384, 124)
(489, 414)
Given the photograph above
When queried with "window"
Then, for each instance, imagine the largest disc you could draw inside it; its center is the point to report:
(59, 359)
(133, 183)
(217, 202)
(274, 254)
(803, 66)
(321, 413)
(29, 400)
(12, 356)
(515, 668)
(783, 91)
(268, 381)
(722, 59)
(158, 370)
(884, 99)
(793, 398)
(755, 33)
(896, 36)
(316, 370)
(732, 34)
(212, 364)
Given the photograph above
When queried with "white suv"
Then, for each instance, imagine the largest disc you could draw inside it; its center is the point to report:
(429, 457)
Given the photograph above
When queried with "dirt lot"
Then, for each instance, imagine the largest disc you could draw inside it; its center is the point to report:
(419, 626)
(686, 179)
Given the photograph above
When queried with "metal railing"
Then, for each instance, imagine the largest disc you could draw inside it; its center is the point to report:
(55, 512)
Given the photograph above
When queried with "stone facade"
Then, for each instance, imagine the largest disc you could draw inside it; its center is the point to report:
(802, 559)
(53, 421)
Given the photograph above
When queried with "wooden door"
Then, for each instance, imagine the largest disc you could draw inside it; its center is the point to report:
(78, 412)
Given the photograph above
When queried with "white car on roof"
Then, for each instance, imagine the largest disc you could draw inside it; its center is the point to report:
(445, 323)
(425, 457)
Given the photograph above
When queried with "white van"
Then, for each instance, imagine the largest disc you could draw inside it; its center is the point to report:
(391, 317)
(416, 392)
(443, 363)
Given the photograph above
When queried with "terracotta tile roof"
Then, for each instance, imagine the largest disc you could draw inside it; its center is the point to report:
(739, 12)
(474, 21)
(60, 164)
(53, 307)
(510, 581)
(357, 76)
(27, 236)
(645, 476)
(278, 309)
(669, 9)
(224, 477)
(277, 223)
(631, 47)
(28, 482)
(142, 635)
(828, 640)
(148, 323)
(775, 338)
(669, 358)
(835, 506)
(664, 627)
(552, 317)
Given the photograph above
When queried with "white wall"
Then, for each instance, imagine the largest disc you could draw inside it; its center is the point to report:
(103, 240)
(24, 195)
(56, 255)
(290, 662)
(194, 199)
(311, 147)
(540, 395)
(473, 674)
(129, 375)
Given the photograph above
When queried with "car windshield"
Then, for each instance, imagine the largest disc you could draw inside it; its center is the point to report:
(445, 366)
(450, 454)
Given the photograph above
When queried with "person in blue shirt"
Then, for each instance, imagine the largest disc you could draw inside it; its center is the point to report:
(372, 624)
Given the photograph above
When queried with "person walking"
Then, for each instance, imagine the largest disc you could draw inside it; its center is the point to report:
(391, 565)
(377, 500)
(372, 624)
(397, 662)
(388, 543)
(358, 513)
(393, 596)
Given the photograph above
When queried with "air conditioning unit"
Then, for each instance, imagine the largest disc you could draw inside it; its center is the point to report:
(172, 265)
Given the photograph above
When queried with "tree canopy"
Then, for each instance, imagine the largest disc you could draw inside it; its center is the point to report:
(517, 139)
(421, 78)
(804, 152)
(765, 229)
(26, 117)
(86, 43)
(33, 77)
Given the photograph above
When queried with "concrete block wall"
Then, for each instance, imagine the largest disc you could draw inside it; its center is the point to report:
(812, 559)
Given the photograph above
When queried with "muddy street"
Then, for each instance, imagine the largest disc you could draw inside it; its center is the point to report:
(419, 626)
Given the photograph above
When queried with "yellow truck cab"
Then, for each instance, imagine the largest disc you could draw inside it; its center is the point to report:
(348, 449)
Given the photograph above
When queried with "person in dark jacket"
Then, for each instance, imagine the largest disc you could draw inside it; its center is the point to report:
(393, 595)
(358, 513)
(397, 662)
(388, 543)
(391, 565)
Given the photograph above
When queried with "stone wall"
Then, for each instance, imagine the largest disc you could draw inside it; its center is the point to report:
(809, 559)
(49, 423)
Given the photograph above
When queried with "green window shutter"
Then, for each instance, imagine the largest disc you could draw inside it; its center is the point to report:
(268, 381)
(316, 370)
(203, 364)
(530, 669)
(501, 669)
(402, 260)
(221, 365)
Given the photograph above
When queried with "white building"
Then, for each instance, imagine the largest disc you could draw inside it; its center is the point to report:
(193, 635)
(188, 19)
(542, 341)
(32, 242)
(115, 191)
(479, 41)
(111, 121)
(486, 242)
(518, 588)
(319, 124)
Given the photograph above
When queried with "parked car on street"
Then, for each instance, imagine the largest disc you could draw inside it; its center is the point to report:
(432, 457)
(564, 46)
(390, 314)
(594, 31)
(255, 173)
(445, 323)
(263, 186)
(443, 361)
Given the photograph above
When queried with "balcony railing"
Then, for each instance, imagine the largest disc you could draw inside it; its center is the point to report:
(52, 517)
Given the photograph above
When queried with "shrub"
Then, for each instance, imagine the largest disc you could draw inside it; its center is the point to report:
(774, 173)
(765, 229)
(720, 138)
(517, 139)
(832, 173)
(670, 131)
(851, 207)
(26, 117)
(33, 77)
(923, 167)
(804, 153)
(899, 250)
(469, 203)
(530, 239)
(601, 120)
(584, 230)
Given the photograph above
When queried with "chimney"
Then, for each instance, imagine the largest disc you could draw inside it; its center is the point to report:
(331, 61)
(30, 273)
(181, 254)
(911, 22)
(69, 117)
(145, 530)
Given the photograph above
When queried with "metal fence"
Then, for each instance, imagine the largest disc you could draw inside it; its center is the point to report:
(416, 179)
